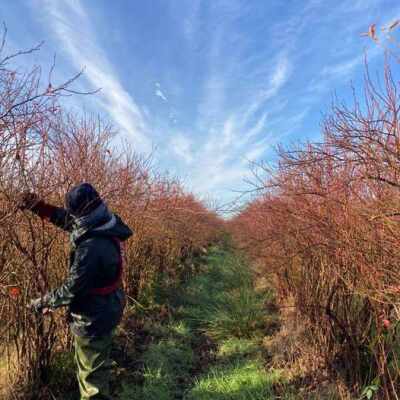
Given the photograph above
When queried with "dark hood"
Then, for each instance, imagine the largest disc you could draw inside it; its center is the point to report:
(82, 200)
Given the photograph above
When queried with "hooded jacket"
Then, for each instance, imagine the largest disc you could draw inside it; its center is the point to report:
(95, 262)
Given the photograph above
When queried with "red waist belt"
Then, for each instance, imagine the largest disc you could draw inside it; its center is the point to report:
(103, 291)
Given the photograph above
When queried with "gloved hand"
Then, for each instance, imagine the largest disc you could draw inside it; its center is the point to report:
(36, 305)
(27, 201)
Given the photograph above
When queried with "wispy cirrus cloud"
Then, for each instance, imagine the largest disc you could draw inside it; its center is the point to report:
(230, 130)
(72, 25)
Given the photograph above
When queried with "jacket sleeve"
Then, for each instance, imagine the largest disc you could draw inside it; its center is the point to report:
(79, 281)
(62, 219)
(56, 215)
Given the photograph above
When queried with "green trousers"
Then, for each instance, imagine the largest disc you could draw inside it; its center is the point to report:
(92, 357)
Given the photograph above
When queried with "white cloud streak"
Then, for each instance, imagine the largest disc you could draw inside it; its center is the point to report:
(160, 94)
(72, 26)
(230, 134)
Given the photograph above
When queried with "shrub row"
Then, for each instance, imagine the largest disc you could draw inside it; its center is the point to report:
(45, 149)
(324, 227)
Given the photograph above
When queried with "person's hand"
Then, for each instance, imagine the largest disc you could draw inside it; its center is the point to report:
(27, 200)
(37, 307)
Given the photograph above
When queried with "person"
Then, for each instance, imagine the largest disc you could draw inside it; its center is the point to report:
(93, 290)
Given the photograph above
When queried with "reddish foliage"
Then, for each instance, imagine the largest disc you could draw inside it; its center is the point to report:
(325, 230)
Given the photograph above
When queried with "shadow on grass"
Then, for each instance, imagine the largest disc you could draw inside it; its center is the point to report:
(168, 363)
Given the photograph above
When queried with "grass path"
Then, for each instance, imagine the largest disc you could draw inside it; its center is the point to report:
(209, 347)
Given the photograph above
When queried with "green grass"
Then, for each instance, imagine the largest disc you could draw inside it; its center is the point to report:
(238, 374)
(167, 365)
(231, 349)
(62, 376)
(242, 380)
(222, 301)
(219, 305)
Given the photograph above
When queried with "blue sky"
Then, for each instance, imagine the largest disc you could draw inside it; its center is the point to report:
(211, 84)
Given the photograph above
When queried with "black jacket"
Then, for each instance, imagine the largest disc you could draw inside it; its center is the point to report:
(94, 263)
